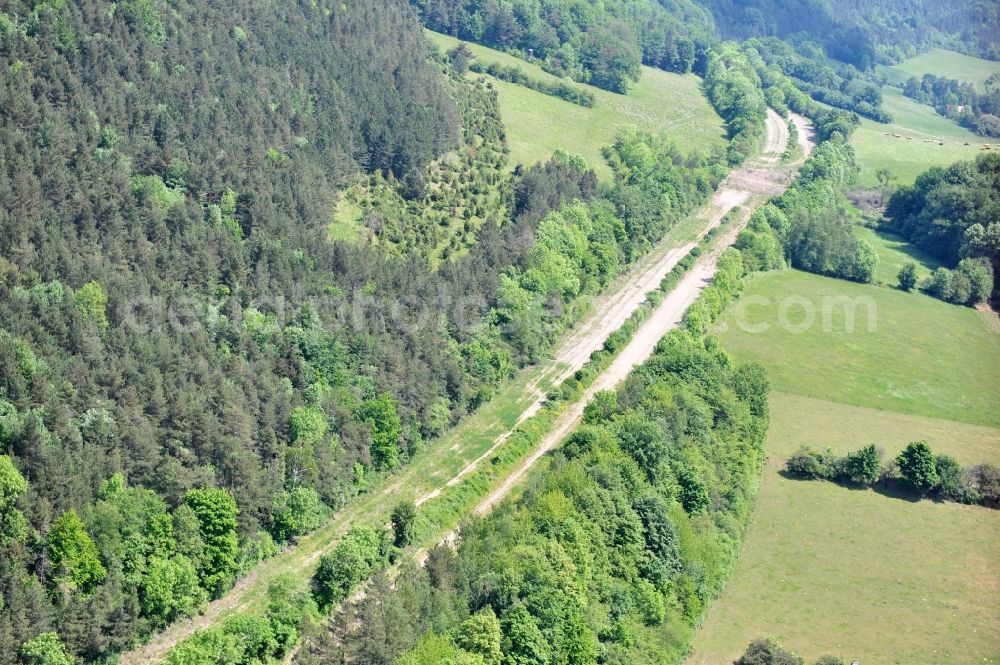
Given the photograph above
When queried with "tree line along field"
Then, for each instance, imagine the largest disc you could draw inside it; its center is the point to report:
(862, 574)
(827, 569)
(538, 124)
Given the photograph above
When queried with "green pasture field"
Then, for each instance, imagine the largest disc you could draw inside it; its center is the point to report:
(856, 573)
(538, 124)
(893, 253)
(941, 62)
(924, 357)
(865, 574)
(878, 145)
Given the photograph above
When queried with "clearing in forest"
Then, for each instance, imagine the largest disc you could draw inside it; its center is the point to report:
(539, 124)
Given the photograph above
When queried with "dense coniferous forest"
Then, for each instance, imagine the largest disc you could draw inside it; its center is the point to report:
(165, 190)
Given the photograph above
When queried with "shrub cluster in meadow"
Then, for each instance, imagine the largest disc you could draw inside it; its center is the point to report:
(916, 468)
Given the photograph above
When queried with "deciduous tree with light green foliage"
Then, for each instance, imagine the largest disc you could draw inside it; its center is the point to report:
(73, 554)
(289, 609)
(386, 428)
(353, 559)
(255, 634)
(298, 512)
(13, 526)
(216, 513)
(864, 466)
(524, 643)
(308, 424)
(434, 649)
(480, 634)
(213, 646)
(170, 589)
(92, 302)
(45, 649)
(907, 276)
(27, 363)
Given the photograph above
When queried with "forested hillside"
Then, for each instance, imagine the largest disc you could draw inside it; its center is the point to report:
(165, 179)
(860, 31)
(192, 373)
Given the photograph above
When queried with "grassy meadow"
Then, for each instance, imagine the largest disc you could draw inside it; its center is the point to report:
(855, 573)
(538, 124)
(925, 356)
(861, 573)
(906, 158)
(941, 62)
(893, 253)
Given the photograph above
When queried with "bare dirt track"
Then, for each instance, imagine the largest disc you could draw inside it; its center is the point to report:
(747, 187)
(669, 313)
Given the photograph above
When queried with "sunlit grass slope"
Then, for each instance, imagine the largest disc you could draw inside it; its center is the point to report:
(538, 124)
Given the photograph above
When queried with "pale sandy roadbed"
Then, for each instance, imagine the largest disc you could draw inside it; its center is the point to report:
(762, 180)
(747, 187)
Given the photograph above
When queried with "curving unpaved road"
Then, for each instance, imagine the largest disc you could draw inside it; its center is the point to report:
(747, 187)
